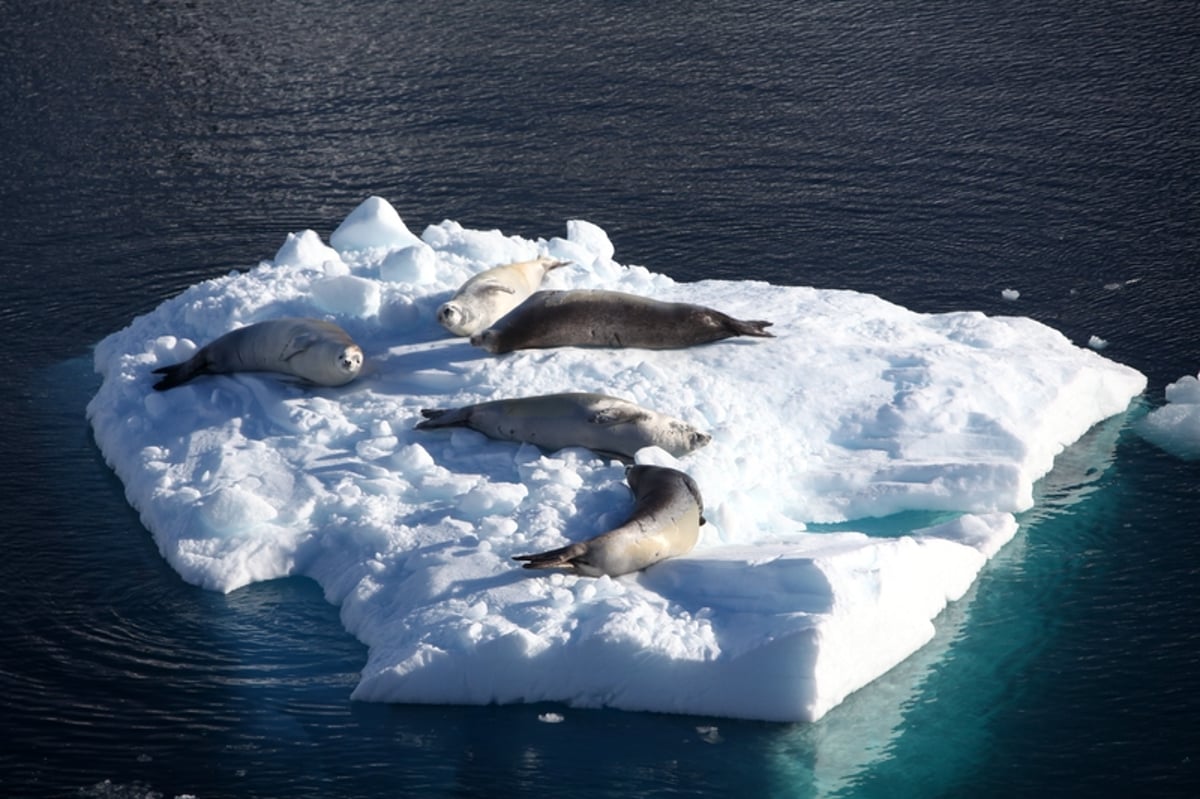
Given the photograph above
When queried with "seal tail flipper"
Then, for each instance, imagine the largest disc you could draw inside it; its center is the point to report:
(751, 327)
(555, 558)
(440, 417)
(179, 373)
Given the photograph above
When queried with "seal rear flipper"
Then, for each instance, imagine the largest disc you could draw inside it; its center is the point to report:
(555, 558)
(751, 327)
(180, 373)
(440, 417)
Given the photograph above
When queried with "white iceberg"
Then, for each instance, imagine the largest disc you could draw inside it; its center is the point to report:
(859, 408)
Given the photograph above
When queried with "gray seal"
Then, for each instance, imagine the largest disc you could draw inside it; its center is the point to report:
(314, 350)
(607, 425)
(492, 293)
(666, 519)
(598, 318)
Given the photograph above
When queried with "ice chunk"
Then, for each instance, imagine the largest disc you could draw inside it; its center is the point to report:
(485, 247)
(415, 264)
(305, 249)
(590, 237)
(1175, 427)
(374, 223)
(347, 295)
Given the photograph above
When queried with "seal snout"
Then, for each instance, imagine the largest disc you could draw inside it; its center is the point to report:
(351, 359)
(485, 339)
(452, 317)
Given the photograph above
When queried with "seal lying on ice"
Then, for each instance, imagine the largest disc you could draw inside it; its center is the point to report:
(666, 520)
(604, 424)
(311, 349)
(598, 318)
(492, 293)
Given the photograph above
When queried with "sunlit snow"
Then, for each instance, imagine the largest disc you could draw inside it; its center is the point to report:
(859, 408)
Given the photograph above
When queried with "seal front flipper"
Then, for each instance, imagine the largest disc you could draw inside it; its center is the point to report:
(298, 344)
(497, 288)
(609, 416)
(611, 454)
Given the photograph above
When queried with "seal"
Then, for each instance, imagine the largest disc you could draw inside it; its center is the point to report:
(492, 293)
(666, 519)
(606, 425)
(314, 350)
(599, 318)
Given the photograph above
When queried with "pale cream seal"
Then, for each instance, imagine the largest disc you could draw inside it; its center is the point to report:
(604, 424)
(667, 514)
(492, 293)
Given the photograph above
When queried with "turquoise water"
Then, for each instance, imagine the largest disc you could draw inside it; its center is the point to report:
(931, 157)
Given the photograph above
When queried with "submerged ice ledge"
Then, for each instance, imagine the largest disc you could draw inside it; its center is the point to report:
(859, 408)
(1175, 426)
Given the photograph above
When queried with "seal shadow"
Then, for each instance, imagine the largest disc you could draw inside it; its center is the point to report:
(478, 584)
(437, 366)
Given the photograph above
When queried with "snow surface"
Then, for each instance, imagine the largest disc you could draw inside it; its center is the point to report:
(860, 408)
(1175, 427)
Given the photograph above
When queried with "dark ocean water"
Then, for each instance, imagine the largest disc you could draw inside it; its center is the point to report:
(933, 154)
